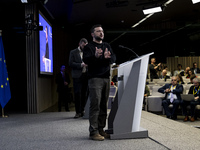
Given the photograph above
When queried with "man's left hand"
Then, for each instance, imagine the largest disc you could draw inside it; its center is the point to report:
(107, 54)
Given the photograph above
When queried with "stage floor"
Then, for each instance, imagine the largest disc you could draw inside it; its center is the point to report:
(59, 130)
(174, 134)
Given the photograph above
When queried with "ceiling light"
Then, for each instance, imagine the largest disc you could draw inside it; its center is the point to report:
(195, 1)
(24, 1)
(34, 1)
(142, 20)
(152, 10)
(168, 2)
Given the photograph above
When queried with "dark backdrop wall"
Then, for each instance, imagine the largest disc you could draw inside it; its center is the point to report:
(66, 38)
(16, 65)
(12, 19)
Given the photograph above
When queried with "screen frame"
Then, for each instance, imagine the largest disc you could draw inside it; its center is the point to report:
(41, 72)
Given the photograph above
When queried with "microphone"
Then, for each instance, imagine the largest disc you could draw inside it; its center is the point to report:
(121, 46)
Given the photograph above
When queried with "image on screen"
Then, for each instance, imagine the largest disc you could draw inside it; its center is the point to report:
(46, 46)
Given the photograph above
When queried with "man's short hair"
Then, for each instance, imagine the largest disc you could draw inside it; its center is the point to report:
(179, 65)
(194, 63)
(95, 26)
(83, 40)
(153, 58)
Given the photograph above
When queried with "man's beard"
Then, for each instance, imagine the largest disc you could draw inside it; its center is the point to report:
(97, 38)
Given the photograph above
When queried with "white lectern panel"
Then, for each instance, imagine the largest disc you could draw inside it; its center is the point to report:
(132, 79)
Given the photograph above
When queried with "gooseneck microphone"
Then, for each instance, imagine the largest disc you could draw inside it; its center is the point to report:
(121, 46)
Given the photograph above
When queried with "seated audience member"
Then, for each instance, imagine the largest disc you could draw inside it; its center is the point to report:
(191, 79)
(154, 69)
(164, 75)
(173, 93)
(180, 79)
(191, 72)
(146, 94)
(179, 70)
(186, 73)
(195, 90)
(168, 72)
(195, 69)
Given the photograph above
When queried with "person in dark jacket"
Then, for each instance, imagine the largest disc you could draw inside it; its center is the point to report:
(98, 55)
(164, 75)
(195, 90)
(195, 68)
(80, 79)
(63, 81)
(173, 93)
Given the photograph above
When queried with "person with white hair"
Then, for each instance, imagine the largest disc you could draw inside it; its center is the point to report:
(164, 75)
(195, 90)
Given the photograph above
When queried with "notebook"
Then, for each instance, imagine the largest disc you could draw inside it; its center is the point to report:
(187, 97)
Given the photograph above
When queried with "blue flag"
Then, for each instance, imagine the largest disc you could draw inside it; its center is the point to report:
(5, 94)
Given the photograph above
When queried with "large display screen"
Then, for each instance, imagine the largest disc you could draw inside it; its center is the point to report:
(46, 46)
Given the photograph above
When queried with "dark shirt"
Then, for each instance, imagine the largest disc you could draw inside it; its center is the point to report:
(98, 67)
(195, 70)
(182, 73)
(47, 51)
(164, 77)
(181, 82)
(153, 72)
(195, 91)
(60, 79)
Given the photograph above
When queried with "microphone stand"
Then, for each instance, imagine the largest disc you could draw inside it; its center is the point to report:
(121, 46)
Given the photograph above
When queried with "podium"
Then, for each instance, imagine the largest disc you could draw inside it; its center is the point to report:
(125, 115)
(47, 64)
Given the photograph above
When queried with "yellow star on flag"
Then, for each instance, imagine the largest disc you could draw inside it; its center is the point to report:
(7, 79)
(1, 86)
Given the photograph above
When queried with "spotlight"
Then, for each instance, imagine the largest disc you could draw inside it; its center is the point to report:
(24, 1)
(34, 1)
(31, 25)
(152, 10)
(195, 1)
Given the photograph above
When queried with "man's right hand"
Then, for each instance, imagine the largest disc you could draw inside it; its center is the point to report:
(167, 90)
(98, 52)
(83, 65)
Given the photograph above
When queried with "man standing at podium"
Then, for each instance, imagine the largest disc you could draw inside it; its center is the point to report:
(98, 55)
